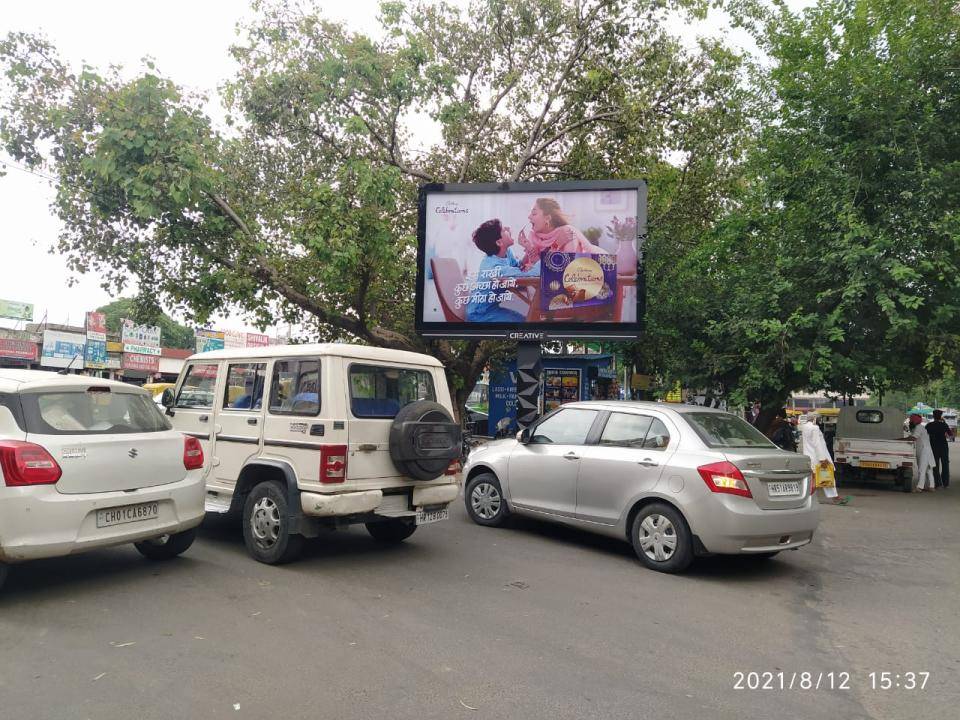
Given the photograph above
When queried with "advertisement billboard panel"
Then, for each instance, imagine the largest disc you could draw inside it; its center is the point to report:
(16, 310)
(208, 340)
(257, 340)
(531, 261)
(62, 349)
(96, 325)
(18, 349)
(95, 355)
(144, 335)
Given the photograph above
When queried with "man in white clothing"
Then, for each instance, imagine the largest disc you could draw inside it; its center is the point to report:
(814, 446)
(924, 454)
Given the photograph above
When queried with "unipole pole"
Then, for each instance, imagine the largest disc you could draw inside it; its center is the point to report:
(529, 373)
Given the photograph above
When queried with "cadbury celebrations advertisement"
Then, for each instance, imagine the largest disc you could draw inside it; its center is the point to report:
(496, 261)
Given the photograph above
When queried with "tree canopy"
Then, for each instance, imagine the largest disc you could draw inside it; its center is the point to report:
(304, 209)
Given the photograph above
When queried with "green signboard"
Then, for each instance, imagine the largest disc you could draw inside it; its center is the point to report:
(16, 310)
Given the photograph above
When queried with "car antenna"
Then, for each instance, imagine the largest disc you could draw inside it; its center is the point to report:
(66, 370)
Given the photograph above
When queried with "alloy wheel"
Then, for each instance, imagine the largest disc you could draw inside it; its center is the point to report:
(265, 523)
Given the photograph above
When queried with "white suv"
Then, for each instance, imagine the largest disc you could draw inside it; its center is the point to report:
(87, 463)
(304, 437)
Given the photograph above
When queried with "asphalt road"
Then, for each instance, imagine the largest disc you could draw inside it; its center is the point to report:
(530, 621)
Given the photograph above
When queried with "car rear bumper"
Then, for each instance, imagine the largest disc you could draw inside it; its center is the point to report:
(737, 526)
(39, 522)
(376, 501)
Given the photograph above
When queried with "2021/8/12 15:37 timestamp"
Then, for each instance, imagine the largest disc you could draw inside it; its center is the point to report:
(820, 680)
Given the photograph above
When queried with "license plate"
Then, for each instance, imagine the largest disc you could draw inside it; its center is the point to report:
(127, 514)
(777, 489)
(428, 516)
(877, 465)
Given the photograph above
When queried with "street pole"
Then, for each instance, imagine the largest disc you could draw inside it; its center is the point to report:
(529, 372)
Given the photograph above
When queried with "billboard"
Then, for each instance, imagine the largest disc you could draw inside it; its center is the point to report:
(531, 261)
(140, 363)
(18, 349)
(16, 310)
(62, 349)
(140, 335)
(208, 340)
(95, 355)
(96, 326)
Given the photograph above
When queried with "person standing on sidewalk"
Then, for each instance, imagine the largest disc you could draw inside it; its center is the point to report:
(939, 432)
(813, 445)
(923, 453)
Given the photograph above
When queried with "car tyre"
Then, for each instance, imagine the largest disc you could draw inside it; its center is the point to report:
(266, 526)
(485, 502)
(905, 477)
(661, 538)
(391, 531)
(167, 547)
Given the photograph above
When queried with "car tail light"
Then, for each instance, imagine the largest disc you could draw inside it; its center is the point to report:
(333, 463)
(453, 468)
(25, 463)
(192, 453)
(724, 477)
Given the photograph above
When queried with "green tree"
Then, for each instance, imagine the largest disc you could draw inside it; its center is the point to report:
(837, 268)
(305, 210)
(172, 333)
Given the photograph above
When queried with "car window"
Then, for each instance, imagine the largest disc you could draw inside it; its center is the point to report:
(380, 392)
(244, 390)
(625, 430)
(567, 427)
(719, 430)
(295, 387)
(658, 437)
(94, 412)
(198, 386)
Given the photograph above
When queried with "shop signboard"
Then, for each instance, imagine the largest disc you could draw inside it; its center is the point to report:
(96, 326)
(95, 355)
(140, 363)
(257, 340)
(531, 261)
(208, 340)
(145, 335)
(234, 339)
(62, 349)
(141, 349)
(16, 310)
(560, 386)
(18, 349)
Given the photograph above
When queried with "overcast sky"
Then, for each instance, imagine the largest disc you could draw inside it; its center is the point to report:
(189, 41)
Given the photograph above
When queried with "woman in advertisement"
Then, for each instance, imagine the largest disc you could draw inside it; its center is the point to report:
(495, 240)
(552, 231)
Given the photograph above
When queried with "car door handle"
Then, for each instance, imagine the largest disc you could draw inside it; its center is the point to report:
(571, 456)
(251, 421)
(203, 418)
(367, 447)
(648, 462)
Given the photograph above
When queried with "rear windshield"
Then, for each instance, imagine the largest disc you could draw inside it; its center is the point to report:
(91, 413)
(380, 392)
(719, 430)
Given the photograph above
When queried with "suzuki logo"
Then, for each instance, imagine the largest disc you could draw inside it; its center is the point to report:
(133, 452)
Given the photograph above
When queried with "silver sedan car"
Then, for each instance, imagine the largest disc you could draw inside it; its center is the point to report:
(674, 480)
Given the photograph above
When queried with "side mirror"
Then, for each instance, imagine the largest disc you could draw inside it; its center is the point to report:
(167, 398)
(523, 436)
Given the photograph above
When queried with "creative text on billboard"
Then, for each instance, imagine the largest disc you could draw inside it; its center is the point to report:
(501, 263)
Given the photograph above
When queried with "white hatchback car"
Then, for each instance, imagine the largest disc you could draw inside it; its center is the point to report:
(88, 463)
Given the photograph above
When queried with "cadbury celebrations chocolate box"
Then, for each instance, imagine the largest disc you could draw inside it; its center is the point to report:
(572, 280)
